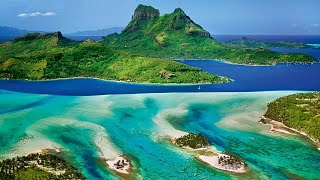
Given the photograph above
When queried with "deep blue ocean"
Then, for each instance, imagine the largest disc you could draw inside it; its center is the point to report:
(304, 77)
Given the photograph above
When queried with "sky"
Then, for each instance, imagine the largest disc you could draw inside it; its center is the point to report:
(219, 17)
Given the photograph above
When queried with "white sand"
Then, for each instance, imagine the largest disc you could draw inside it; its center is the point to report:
(279, 127)
(214, 162)
(102, 142)
(166, 129)
(125, 164)
(32, 144)
(43, 151)
(280, 131)
(198, 149)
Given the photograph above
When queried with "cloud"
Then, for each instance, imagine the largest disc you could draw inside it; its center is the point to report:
(35, 14)
(315, 25)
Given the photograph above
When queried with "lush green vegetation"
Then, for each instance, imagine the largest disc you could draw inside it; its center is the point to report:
(193, 141)
(50, 56)
(299, 111)
(176, 36)
(31, 173)
(252, 43)
(133, 56)
(38, 166)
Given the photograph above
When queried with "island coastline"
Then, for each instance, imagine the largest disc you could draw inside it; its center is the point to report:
(121, 165)
(114, 81)
(279, 127)
(212, 160)
(247, 65)
(208, 155)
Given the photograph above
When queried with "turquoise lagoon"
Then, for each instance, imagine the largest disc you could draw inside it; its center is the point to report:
(86, 128)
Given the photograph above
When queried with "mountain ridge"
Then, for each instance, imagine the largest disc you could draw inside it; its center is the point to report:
(178, 20)
(177, 36)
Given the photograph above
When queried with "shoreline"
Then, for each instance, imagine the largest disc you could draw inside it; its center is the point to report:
(279, 127)
(117, 81)
(121, 165)
(169, 84)
(46, 151)
(248, 65)
(211, 157)
(228, 62)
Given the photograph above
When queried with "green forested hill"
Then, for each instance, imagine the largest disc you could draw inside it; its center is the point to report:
(299, 111)
(49, 56)
(176, 36)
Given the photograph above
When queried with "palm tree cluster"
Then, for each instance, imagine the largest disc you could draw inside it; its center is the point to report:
(192, 140)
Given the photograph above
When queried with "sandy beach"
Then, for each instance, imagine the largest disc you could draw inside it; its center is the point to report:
(213, 160)
(281, 128)
(46, 151)
(120, 164)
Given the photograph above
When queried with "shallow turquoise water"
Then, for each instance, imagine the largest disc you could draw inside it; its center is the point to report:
(314, 45)
(133, 125)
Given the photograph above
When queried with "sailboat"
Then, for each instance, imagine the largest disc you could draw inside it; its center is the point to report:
(199, 88)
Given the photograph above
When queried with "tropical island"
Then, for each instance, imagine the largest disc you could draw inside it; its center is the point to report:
(297, 113)
(192, 140)
(177, 36)
(223, 161)
(120, 165)
(199, 144)
(245, 42)
(143, 52)
(52, 56)
(38, 166)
